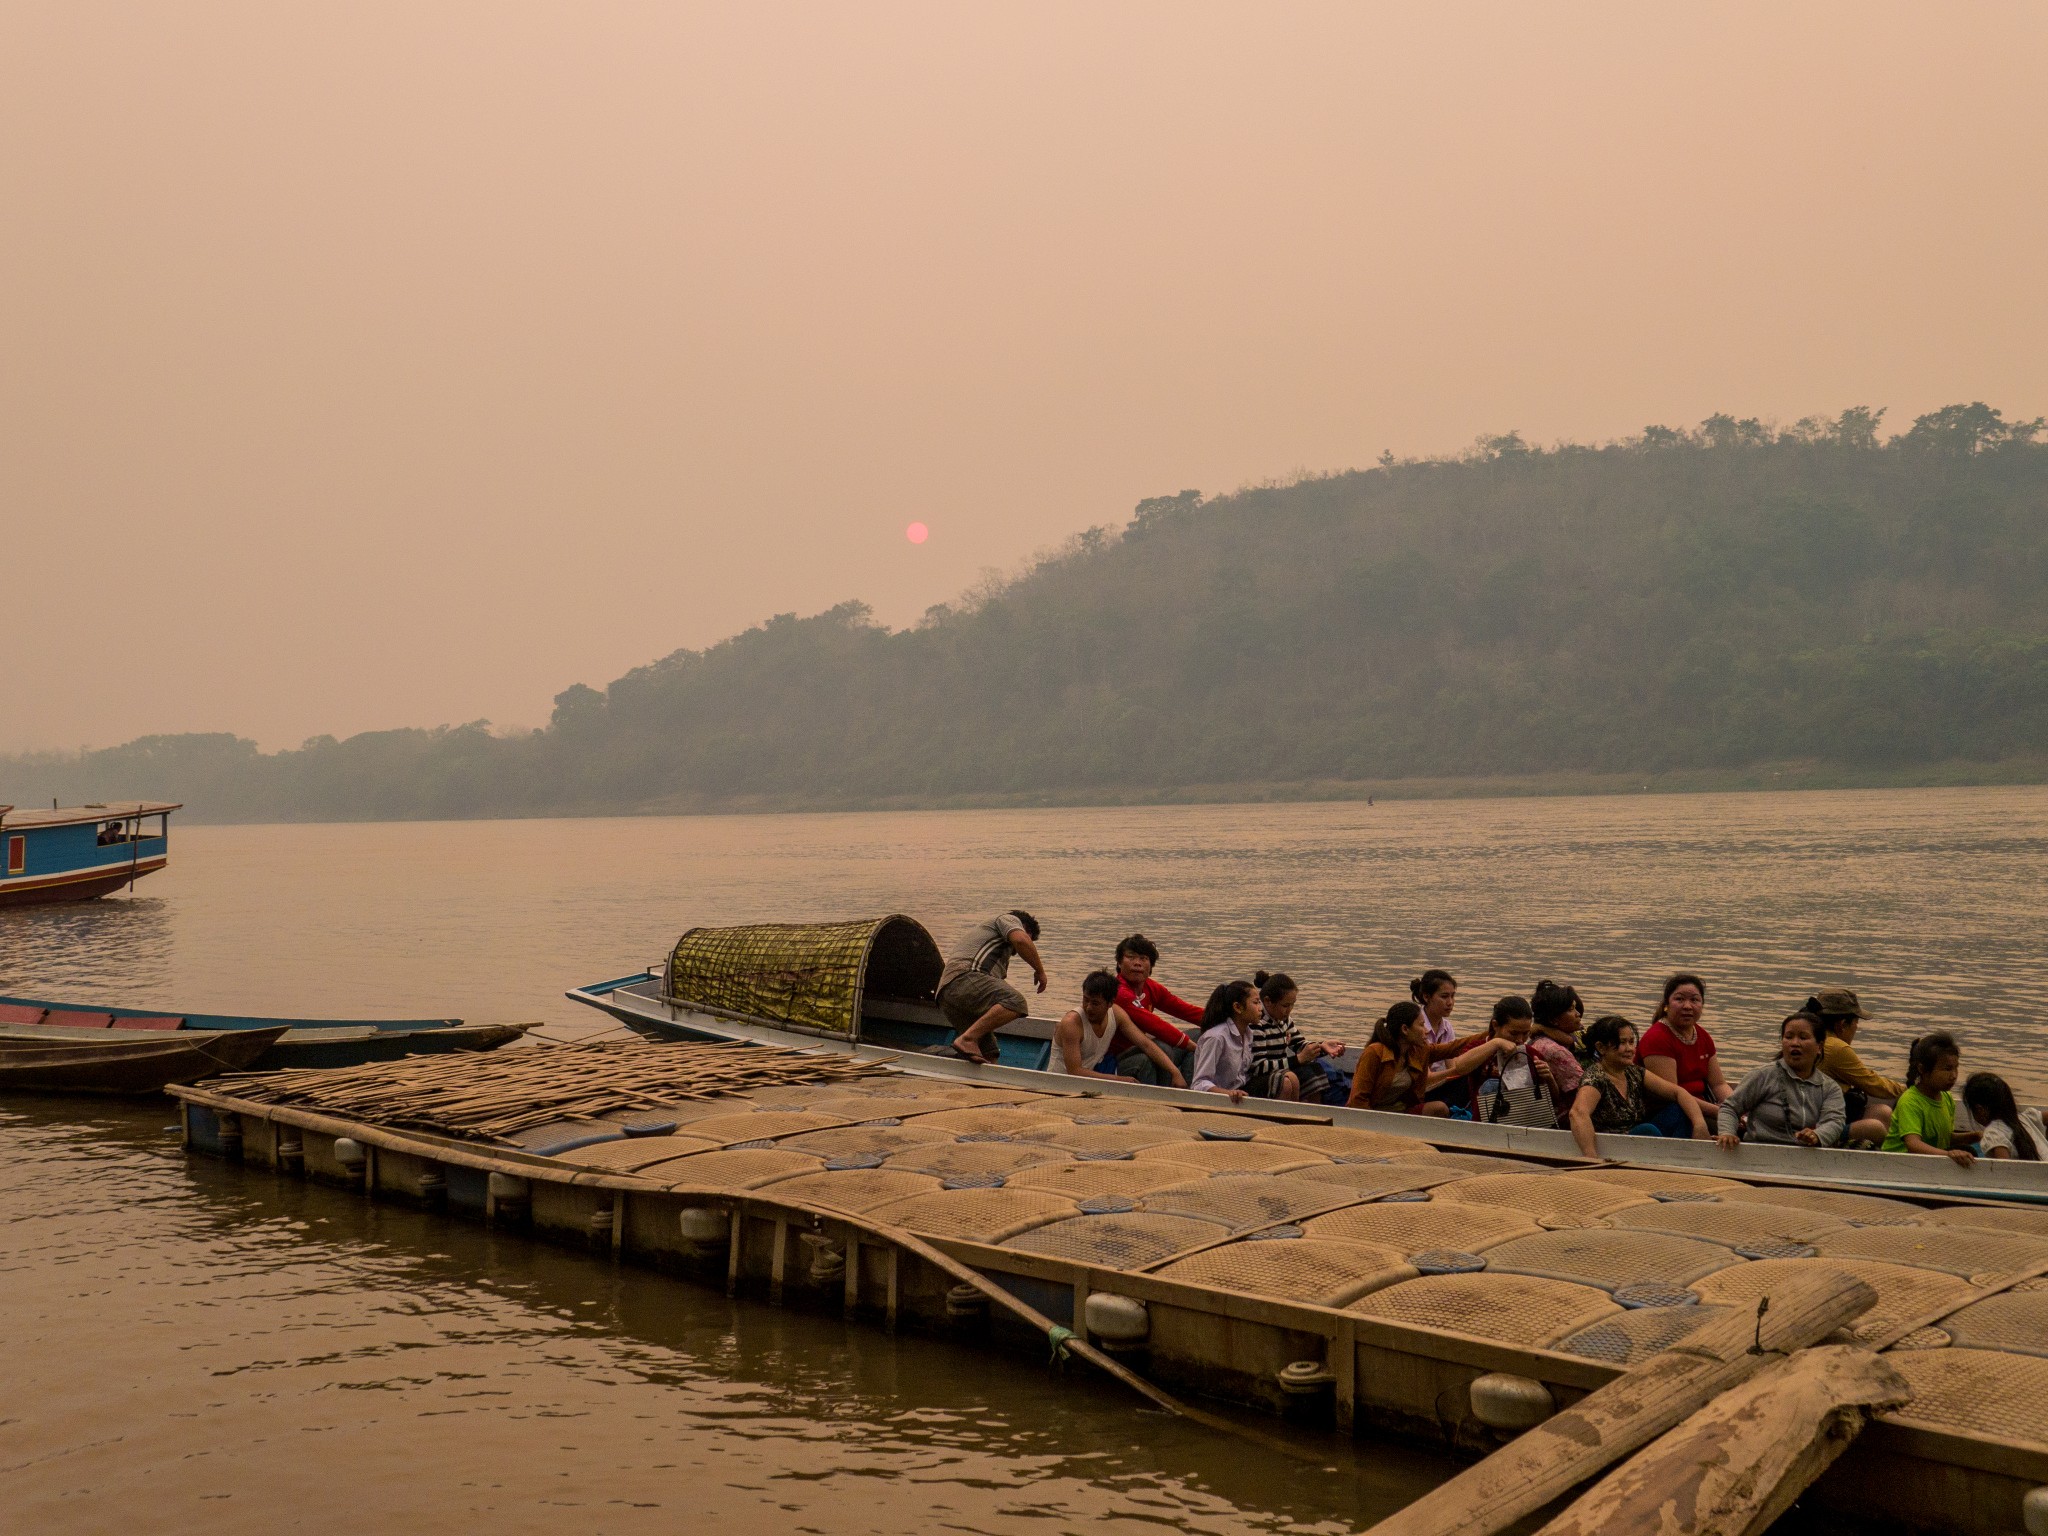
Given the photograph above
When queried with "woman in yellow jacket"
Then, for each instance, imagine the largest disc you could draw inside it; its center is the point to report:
(1871, 1095)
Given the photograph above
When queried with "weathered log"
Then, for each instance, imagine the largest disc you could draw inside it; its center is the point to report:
(1633, 1409)
(1737, 1464)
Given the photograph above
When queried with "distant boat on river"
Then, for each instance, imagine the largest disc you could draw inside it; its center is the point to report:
(80, 852)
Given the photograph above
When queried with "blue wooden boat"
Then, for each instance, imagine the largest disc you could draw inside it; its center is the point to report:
(296, 1043)
(80, 852)
(865, 989)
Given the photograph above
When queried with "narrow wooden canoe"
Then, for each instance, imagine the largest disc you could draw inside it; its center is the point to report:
(294, 1042)
(125, 1061)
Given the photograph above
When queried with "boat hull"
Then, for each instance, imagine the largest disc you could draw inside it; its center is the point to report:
(81, 885)
(291, 1042)
(124, 1062)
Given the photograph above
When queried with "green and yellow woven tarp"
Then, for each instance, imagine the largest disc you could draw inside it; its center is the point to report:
(812, 975)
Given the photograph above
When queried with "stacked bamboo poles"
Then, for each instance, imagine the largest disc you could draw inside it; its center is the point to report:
(494, 1095)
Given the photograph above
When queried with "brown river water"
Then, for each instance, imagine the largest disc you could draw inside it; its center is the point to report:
(198, 1346)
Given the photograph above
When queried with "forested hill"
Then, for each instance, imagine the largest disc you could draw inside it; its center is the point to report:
(1709, 599)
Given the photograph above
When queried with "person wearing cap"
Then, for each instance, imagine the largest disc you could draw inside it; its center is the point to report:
(1869, 1095)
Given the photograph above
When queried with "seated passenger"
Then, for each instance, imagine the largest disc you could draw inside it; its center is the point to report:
(1789, 1101)
(1514, 1087)
(1098, 1029)
(1145, 1000)
(1223, 1054)
(1924, 1119)
(2008, 1130)
(1436, 991)
(1394, 1070)
(1284, 1064)
(1867, 1096)
(1677, 1048)
(1558, 1042)
(1616, 1096)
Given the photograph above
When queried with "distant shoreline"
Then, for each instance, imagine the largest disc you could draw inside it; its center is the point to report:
(1763, 778)
(1823, 608)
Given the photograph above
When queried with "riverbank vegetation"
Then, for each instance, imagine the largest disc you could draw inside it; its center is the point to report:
(1687, 606)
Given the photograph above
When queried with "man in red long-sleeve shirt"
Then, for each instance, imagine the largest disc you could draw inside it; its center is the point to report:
(1145, 1000)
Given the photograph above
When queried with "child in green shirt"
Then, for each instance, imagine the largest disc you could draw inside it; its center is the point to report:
(1924, 1119)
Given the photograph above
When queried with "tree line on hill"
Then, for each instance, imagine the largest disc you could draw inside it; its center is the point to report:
(1713, 598)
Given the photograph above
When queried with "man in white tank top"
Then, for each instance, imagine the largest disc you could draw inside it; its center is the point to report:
(1099, 1029)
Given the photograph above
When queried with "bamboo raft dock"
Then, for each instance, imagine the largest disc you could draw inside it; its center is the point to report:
(1559, 1316)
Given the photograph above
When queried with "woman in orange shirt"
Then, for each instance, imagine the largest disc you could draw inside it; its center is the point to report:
(1394, 1068)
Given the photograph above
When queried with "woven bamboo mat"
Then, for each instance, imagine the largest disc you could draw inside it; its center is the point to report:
(490, 1095)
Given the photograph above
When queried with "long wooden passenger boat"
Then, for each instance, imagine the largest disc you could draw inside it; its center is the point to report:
(1261, 1255)
(289, 1042)
(34, 1060)
(80, 852)
(864, 989)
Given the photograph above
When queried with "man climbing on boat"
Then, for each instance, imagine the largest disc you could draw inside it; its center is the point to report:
(974, 992)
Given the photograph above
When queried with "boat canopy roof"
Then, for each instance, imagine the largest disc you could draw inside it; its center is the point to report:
(812, 975)
(70, 815)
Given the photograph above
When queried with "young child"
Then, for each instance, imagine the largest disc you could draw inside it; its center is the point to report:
(1285, 1063)
(2008, 1130)
(1924, 1119)
(1223, 1052)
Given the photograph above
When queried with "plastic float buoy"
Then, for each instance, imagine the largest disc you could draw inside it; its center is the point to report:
(431, 1185)
(349, 1153)
(828, 1261)
(964, 1302)
(291, 1153)
(229, 1131)
(2034, 1511)
(705, 1226)
(1118, 1321)
(1511, 1403)
(503, 1192)
(1305, 1378)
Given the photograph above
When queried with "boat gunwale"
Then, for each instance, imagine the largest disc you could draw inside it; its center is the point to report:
(221, 1022)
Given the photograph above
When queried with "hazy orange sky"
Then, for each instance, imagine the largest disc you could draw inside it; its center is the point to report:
(369, 364)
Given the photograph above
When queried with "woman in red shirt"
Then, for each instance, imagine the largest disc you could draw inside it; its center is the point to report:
(1677, 1047)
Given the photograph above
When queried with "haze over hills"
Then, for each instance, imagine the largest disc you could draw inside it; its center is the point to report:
(1704, 601)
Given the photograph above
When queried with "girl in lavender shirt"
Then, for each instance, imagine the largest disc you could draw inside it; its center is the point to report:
(1223, 1053)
